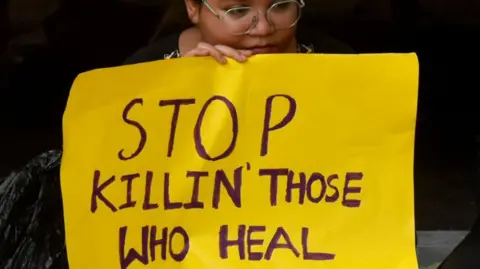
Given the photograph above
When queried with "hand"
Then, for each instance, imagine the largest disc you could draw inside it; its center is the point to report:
(219, 52)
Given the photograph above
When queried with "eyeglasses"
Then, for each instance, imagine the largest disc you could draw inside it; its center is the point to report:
(242, 20)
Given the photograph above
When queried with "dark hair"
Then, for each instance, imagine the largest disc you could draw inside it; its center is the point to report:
(175, 19)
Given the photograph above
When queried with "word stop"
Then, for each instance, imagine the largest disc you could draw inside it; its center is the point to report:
(177, 104)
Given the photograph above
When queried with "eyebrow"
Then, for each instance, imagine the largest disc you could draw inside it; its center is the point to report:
(235, 1)
(271, 2)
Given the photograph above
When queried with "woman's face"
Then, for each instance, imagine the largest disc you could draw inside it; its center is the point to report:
(245, 25)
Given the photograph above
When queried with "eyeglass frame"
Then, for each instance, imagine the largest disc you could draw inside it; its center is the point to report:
(217, 14)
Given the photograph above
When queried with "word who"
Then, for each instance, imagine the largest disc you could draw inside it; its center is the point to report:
(153, 241)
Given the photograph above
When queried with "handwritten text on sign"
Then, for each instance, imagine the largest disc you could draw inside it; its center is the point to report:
(296, 181)
(264, 175)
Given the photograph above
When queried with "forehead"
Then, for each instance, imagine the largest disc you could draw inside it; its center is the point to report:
(243, 2)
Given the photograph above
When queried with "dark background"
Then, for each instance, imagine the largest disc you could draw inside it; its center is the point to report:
(46, 43)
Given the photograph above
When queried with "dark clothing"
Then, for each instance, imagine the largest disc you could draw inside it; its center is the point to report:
(156, 50)
(31, 219)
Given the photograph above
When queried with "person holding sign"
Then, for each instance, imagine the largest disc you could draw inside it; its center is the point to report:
(221, 29)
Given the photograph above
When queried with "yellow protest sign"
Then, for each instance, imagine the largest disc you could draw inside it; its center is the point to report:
(287, 161)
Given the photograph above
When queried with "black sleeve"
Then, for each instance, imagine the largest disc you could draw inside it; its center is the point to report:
(155, 51)
(331, 46)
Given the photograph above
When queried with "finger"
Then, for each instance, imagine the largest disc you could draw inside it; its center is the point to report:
(197, 53)
(213, 52)
(247, 53)
(232, 53)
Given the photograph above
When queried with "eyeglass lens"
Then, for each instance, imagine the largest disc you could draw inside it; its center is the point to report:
(281, 15)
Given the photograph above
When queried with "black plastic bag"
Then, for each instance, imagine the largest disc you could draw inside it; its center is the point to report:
(32, 233)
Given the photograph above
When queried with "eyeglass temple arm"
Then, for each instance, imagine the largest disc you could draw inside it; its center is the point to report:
(205, 2)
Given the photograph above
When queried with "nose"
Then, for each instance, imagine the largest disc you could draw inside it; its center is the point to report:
(261, 26)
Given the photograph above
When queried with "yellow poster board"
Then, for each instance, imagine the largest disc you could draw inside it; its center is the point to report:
(291, 161)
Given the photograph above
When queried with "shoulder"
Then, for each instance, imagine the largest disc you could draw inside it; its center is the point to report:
(323, 43)
(158, 50)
